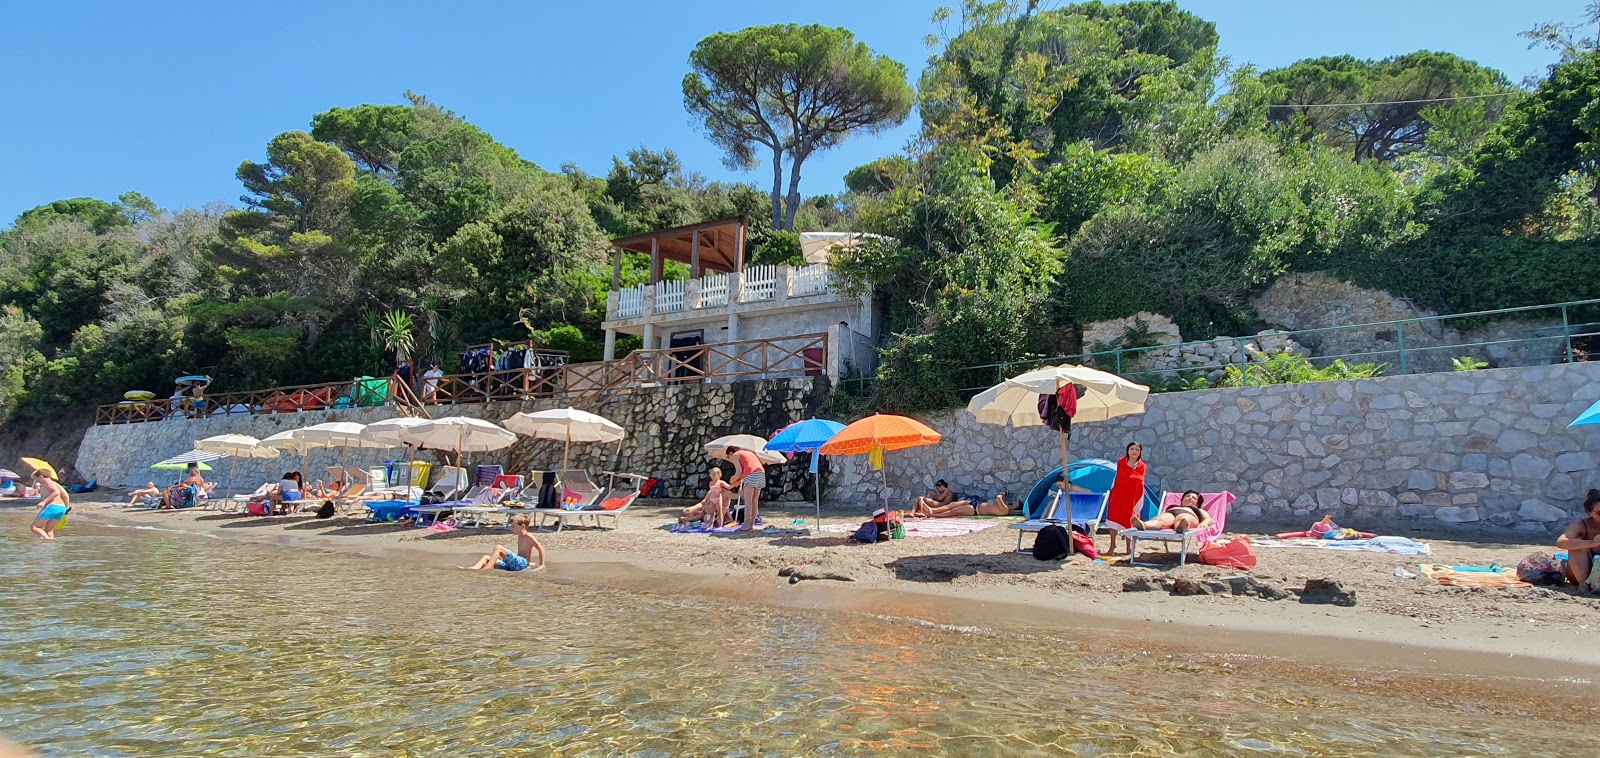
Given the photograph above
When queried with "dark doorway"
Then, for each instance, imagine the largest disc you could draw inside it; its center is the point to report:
(688, 363)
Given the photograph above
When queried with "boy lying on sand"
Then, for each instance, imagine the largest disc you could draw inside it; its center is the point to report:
(506, 560)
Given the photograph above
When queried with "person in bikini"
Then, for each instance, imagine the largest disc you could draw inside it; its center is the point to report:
(996, 507)
(1187, 514)
(713, 510)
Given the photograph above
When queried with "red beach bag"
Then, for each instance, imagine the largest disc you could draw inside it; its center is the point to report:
(1235, 553)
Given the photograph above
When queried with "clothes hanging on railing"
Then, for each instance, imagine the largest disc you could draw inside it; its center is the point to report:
(475, 361)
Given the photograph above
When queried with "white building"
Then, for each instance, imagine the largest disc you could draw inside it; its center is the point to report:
(750, 309)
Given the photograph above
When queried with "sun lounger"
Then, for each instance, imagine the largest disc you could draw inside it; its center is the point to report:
(1215, 504)
(612, 503)
(1079, 509)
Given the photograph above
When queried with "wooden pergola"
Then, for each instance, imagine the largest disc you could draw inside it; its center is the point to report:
(707, 246)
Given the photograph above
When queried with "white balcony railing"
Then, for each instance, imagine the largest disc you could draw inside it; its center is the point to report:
(630, 301)
(760, 283)
(669, 296)
(714, 290)
(808, 280)
(756, 284)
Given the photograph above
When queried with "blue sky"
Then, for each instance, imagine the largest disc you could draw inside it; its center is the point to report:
(167, 98)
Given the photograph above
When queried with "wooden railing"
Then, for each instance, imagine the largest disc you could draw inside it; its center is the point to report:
(805, 355)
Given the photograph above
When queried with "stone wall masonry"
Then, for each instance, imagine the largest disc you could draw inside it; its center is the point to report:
(1486, 447)
(667, 427)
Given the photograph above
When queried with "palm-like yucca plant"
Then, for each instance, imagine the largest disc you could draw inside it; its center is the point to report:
(396, 329)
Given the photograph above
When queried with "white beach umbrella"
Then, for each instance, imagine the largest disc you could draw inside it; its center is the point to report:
(568, 425)
(235, 446)
(391, 432)
(718, 448)
(343, 435)
(459, 435)
(295, 441)
(1016, 401)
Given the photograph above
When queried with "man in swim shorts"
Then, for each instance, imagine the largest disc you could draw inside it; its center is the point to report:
(53, 505)
(504, 559)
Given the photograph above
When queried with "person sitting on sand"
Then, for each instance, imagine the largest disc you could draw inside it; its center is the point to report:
(148, 490)
(996, 507)
(713, 509)
(185, 494)
(504, 559)
(940, 497)
(53, 505)
(1581, 540)
(1187, 514)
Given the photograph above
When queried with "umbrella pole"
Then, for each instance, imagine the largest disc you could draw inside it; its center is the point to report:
(817, 480)
(1067, 490)
(233, 465)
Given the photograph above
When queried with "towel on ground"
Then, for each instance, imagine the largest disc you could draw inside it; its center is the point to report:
(927, 527)
(1397, 545)
(1504, 577)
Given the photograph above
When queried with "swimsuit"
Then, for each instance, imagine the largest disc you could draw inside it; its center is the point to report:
(512, 562)
(755, 480)
(53, 512)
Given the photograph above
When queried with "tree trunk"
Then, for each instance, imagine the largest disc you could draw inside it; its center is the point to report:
(792, 204)
(777, 188)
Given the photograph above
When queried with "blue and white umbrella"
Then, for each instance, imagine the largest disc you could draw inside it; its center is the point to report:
(807, 436)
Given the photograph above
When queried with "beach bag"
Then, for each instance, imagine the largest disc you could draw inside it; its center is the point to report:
(1540, 568)
(259, 508)
(1085, 544)
(1235, 554)
(1051, 544)
(325, 510)
(867, 533)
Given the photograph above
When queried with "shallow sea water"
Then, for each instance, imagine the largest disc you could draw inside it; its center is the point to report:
(125, 642)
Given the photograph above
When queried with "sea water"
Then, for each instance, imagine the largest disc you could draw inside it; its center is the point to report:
(128, 642)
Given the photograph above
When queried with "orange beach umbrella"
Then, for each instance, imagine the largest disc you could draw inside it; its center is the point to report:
(881, 432)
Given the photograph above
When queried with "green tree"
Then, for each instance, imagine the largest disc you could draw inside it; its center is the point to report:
(794, 90)
(1409, 95)
(372, 135)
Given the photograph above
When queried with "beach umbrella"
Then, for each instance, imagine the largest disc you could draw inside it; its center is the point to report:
(460, 434)
(235, 446)
(806, 436)
(391, 432)
(343, 435)
(1015, 401)
(1589, 416)
(37, 465)
(294, 441)
(718, 448)
(6, 473)
(184, 460)
(877, 434)
(568, 425)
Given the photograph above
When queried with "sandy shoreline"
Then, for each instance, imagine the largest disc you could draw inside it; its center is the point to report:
(976, 579)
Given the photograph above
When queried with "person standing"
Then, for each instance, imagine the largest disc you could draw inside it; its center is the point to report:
(1127, 493)
(53, 504)
(430, 383)
(750, 476)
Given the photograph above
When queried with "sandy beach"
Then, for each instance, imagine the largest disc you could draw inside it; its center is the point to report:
(977, 579)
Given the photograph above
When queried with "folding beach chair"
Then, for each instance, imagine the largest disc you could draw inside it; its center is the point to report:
(610, 504)
(1084, 510)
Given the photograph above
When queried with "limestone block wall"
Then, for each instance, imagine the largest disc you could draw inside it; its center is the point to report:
(1486, 447)
(667, 427)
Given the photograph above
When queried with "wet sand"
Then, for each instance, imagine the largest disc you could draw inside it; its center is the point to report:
(977, 580)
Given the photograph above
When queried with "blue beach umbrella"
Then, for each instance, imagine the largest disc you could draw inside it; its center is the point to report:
(806, 436)
(1590, 416)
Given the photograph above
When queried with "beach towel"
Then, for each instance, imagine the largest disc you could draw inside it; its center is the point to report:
(929, 527)
(1396, 545)
(1473, 576)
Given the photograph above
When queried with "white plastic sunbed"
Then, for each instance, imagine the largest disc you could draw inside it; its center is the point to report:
(612, 503)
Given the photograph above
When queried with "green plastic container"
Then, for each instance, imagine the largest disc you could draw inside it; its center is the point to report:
(370, 392)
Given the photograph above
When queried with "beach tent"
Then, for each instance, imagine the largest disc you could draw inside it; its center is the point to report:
(1093, 474)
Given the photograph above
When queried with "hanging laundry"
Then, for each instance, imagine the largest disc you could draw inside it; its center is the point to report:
(1067, 399)
(1047, 403)
(875, 457)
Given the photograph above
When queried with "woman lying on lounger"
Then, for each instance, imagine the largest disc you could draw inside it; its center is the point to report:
(996, 507)
(1187, 514)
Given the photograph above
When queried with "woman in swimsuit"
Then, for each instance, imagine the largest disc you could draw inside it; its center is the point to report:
(1581, 540)
(53, 505)
(996, 507)
(1186, 515)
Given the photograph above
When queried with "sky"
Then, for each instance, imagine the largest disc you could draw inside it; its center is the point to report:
(167, 98)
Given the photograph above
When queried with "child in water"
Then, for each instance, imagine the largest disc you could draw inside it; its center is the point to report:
(53, 505)
(506, 560)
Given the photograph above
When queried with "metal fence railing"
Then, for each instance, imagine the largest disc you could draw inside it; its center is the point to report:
(1526, 336)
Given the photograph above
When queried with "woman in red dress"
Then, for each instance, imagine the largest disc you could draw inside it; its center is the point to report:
(1127, 492)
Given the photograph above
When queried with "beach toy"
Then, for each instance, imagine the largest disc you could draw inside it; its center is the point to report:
(139, 395)
(192, 379)
(1324, 526)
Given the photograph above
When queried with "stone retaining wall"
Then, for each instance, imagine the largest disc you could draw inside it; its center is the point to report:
(1486, 446)
(667, 426)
